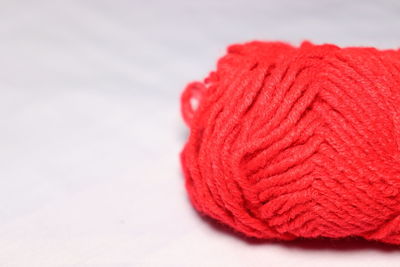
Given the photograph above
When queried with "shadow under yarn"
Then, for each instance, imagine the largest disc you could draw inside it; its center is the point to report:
(343, 244)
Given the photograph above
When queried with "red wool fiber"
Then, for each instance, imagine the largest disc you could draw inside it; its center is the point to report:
(290, 142)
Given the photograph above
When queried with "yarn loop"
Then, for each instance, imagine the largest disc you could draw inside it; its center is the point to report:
(191, 98)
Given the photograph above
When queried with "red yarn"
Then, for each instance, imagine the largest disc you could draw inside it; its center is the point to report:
(291, 142)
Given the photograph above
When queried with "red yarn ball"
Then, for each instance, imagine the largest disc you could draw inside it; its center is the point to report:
(291, 142)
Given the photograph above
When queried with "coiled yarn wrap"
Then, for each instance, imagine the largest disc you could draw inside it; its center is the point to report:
(289, 142)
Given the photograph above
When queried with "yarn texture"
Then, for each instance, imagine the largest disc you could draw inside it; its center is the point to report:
(288, 142)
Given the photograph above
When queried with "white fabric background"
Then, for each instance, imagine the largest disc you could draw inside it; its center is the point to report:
(91, 131)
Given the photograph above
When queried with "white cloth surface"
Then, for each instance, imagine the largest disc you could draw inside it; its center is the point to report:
(91, 130)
